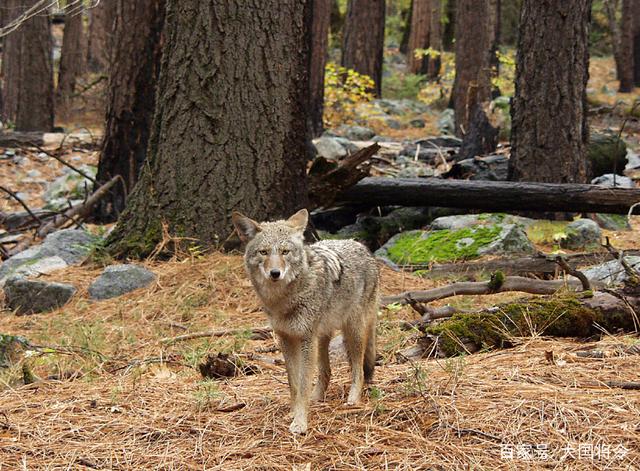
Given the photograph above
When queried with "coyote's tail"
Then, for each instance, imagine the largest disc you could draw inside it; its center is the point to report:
(370, 352)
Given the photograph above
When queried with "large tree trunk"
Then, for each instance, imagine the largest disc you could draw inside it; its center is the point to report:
(635, 14)
(230, 126)
(72, 56)
(420, 35)
(364, 39)
(28, 71)
(320, 40)
(490, 195)
(435, 39)
(626, 47)
(475, 40)
(131, 100)
(101, 19)
(549, 131)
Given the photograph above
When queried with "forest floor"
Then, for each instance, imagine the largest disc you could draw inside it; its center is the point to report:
(110, 394)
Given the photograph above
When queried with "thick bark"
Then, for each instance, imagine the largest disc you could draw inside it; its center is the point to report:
(420, 35)
(72, 55)
(549, 131)
(28, 71)
(635, 14)
(625, 67)
(100, 37)
(475, 41)
(230, 126)
(364, 39)
(435, 38)
(490, 195)
(320, 40)
(131, 100)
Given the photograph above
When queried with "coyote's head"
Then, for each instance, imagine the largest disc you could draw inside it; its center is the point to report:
(275, 250)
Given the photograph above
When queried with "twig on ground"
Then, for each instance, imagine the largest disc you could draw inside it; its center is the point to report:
(258, 333)
(586, 285)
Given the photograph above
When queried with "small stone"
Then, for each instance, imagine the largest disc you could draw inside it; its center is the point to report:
(34, 173)
(356, 133)
(30, 296)
(612, 180)
(117, 280)
(329, 148)
(582, 233)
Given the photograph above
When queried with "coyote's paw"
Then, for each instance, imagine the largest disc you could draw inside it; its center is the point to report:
(298, 428)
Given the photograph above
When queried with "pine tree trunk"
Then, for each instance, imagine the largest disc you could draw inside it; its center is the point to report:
(549, 131)
(100, 39)
(364, 39)
(635, 14)
(435, 39)
(320, 38)
(131, 100)
(449, 29)
(72, 55)
(420, 35)
(27, 92)
(475, 40)
(626, 48)
(230, 126)
(337, 22)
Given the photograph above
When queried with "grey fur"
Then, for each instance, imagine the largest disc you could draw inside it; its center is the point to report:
(327, 286)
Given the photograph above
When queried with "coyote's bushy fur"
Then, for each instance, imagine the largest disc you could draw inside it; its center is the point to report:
(308, 292)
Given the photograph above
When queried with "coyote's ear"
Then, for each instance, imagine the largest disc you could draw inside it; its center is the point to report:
(299, 220)
(245, 227)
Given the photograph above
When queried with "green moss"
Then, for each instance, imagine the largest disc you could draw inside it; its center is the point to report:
(128, 243)
(496, 281)
(561, 316)
(443, 245)
(547, 232)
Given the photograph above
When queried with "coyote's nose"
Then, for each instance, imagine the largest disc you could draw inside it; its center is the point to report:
(275, 274)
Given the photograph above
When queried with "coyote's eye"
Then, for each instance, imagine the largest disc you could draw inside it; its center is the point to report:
(285, 251)
(263, 252)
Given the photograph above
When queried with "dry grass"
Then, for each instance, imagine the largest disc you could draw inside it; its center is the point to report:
(140, 405)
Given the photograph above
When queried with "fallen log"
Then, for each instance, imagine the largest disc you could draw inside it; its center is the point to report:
(541, 264)
(559, 316)
(509, 283)
(491, 195)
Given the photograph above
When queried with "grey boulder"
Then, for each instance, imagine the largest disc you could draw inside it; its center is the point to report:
(329, 148)
(582, 233)
(31, 296)
(612, 272)
(117, 280)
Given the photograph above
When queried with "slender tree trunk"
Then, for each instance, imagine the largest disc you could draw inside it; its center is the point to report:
(101, 18)
(72, 55)
(420, 35)
(635, 14)
(611, 9)
(320, 38)
(406, 16)
(435, 39)
(449, 30)
(337, 22)
(131, 100)
(475, 38)
(28, 71)
(549, 131)
(364, 39)
(230, 126)
(626, 47)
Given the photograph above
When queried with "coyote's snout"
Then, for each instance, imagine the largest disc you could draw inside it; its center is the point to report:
(308, 292)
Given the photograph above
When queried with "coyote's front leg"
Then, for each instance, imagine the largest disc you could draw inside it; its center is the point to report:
(298, 357)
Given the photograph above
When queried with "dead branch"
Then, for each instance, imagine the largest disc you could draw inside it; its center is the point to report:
(22, 203)
(586, 286)
(258, 333)
(619, 255)
(327, 178)
(80, 210)
(510, 283)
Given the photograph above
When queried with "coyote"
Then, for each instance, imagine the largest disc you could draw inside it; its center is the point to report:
(308, 292)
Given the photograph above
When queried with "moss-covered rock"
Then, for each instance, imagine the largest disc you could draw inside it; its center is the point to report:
(607, 153)
(564, 316)
(420, 247)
